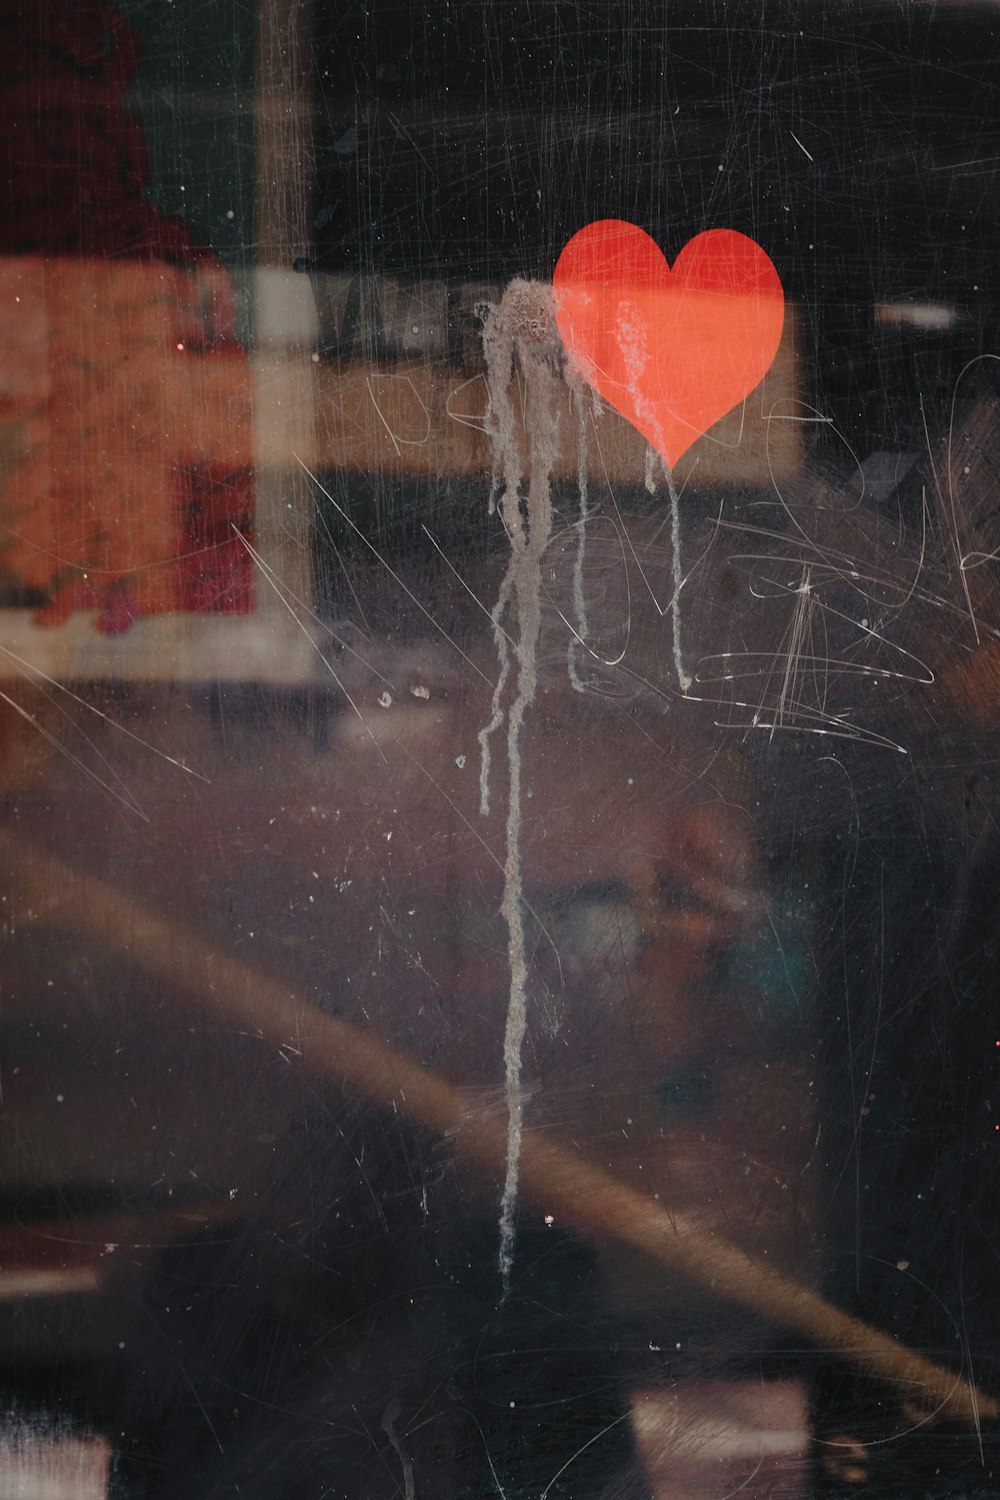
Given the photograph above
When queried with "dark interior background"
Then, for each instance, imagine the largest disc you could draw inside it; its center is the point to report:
(858, 143)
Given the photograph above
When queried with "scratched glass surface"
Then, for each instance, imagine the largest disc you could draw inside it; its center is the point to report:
(499, 607)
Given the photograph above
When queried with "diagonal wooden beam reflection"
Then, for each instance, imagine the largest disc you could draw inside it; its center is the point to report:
(580, 1195)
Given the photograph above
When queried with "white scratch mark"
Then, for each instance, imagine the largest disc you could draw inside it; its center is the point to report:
(29, 667)
(465, 418)
(394, 437)
(392, 574)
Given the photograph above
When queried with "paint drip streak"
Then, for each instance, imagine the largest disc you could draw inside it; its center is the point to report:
(631, 333)
(684, 681)
(519, 340)
(579, 602)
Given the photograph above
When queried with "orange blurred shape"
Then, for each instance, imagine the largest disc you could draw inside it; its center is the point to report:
(119, 392)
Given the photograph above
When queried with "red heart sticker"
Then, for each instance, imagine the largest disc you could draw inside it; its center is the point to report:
(672, 349)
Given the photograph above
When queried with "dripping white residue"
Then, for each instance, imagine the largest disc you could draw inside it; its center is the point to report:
(388, 1424)
(678, 581)
(522, 348)
(632, 343)
(579, 603)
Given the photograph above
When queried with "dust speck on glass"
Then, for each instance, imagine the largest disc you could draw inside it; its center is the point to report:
(499, 681)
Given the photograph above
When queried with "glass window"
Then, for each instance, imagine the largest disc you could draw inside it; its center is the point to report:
(498, 639)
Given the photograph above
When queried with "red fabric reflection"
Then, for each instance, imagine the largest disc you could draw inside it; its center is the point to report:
(83, 525)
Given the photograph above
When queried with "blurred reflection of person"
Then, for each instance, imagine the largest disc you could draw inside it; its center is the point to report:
(358, 1336)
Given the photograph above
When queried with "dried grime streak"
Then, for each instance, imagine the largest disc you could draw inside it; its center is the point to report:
(388, 1425)
(678, 582)
(579, 636)
(631, 334)
(521, 348)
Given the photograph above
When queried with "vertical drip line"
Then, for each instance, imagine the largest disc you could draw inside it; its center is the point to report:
(677, 575)
(677, 579)
(579, 602)
(505, 479)
(519, 341)
(631, 332)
